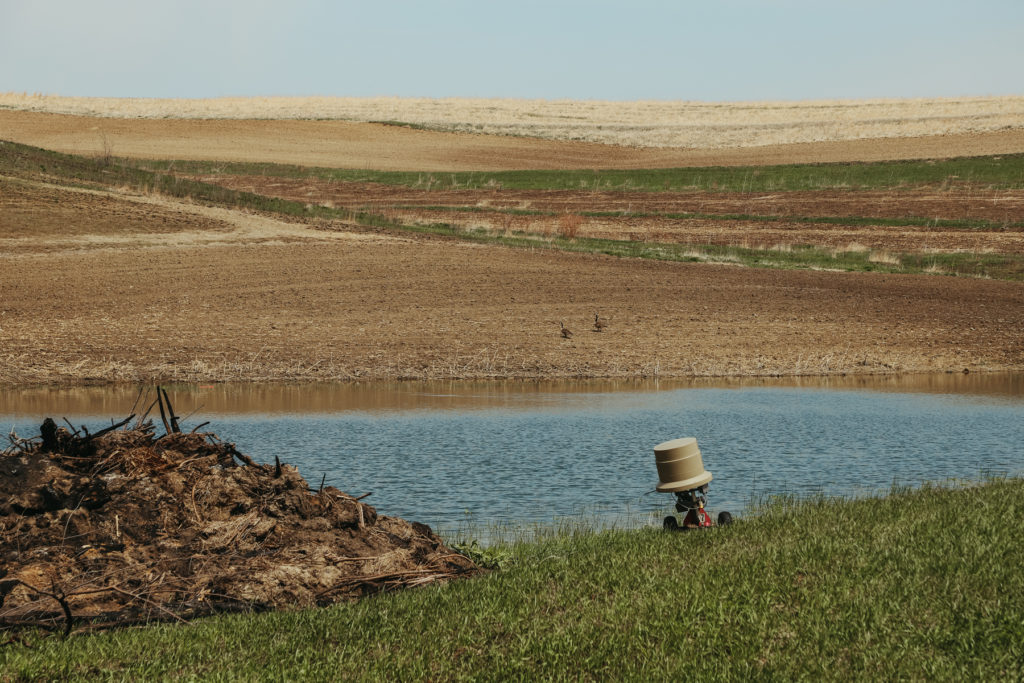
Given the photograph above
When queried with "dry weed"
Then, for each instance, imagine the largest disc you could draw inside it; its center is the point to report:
(569, 225)
(886, 257)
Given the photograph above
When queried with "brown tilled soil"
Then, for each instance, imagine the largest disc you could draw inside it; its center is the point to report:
(132, 526)
(341, 144)
(272, 300)
(46, 214)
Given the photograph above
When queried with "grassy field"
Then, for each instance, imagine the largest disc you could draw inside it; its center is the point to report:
(1002, 172)
(919, 584)
(636, 124)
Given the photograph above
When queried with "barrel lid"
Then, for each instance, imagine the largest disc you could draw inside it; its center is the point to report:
(684, 484)
(675, 443)
(676, 448)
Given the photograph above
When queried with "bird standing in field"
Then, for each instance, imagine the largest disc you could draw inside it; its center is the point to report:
(566, 332)
(599, 324)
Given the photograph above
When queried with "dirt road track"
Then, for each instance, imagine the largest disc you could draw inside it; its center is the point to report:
(343, 144)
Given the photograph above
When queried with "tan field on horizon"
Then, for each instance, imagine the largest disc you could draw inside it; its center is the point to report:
(651, 124)
(376, 146)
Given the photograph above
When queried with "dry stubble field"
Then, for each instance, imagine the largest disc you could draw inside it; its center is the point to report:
(112, 285)
(637, 124)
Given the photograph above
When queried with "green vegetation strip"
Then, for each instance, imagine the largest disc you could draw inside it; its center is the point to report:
(998, 172)
(901, 222)
(23, 161)
(107, 173)
(791, 257)
(922, 585)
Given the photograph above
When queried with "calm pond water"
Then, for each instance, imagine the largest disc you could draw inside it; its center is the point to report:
(453, 455)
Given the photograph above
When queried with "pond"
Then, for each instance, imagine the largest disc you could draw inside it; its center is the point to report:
(519, 454)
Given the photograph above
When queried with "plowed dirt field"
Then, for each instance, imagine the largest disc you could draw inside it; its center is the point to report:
(254, 298)
(104, 286)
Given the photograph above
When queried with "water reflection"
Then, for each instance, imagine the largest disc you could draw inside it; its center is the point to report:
(268, 399)
(522, 452)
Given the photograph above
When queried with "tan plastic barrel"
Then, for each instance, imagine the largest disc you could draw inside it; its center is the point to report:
(680, 466)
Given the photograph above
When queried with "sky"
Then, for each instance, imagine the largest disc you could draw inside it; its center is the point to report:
(712, 50)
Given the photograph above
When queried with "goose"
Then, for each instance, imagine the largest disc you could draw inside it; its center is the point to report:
(566, 332)
(599, 324)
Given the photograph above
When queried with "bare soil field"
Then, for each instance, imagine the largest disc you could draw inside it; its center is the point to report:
(327, 301)
(505, 210)
(100, 286)
(355, 145)
(37, 215)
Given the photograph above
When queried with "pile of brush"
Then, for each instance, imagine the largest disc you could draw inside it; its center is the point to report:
(123, 526)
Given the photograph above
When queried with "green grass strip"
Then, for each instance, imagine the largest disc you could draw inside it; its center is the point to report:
(793, 257)
(39, 164)
(918, 585)
(998, 172)
(901, 222)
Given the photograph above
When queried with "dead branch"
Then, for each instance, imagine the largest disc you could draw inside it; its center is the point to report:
(57, 595)
(148, 602)
(142, 420)
(163, 415)
(355, 581)
(137, 399)
(170, 410)
(107, 430)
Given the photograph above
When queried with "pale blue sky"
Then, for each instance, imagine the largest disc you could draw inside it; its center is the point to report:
(715, 50)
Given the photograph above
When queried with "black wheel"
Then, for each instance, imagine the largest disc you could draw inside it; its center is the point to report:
(724, 518)
(670, 524)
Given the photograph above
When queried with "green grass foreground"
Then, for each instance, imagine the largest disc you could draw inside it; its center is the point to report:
(921, 584)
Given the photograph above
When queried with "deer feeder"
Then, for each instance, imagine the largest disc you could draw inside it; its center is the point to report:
(681, 471)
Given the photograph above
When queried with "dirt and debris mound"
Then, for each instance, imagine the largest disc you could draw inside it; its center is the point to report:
(123, 526)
